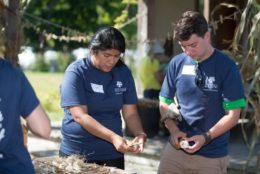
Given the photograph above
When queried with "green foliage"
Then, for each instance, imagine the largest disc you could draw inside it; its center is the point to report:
(46, 86)
(40, 65)
(129, 2)
(58, 64)
(122, 18)
(61, 16)
(63, 61)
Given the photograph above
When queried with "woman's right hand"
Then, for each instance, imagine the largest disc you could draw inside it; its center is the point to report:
(120, 144)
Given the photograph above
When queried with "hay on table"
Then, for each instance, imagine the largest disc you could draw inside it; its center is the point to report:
(71, 165)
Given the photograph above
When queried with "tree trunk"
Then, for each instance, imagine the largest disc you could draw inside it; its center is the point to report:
(12, 29)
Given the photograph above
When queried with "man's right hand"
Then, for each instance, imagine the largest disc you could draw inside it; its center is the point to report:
(176, 135)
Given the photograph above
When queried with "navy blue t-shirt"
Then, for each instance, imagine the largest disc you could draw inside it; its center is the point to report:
(17, 98)
(104, 93)
(202, 105)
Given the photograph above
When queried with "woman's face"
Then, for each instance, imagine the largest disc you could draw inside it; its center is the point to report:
(106, 60)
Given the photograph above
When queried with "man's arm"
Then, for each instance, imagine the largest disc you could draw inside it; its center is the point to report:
(39, 123)
(171, 124)
(223, 125)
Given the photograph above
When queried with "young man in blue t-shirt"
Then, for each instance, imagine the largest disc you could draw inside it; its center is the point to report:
(209, 93)
(17, 98)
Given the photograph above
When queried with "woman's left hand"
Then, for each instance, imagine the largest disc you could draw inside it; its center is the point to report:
(137, 144)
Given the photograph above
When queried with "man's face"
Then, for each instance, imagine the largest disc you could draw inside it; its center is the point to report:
(196, 47)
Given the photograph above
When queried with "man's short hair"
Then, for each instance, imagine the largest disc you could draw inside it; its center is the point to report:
(191, 22)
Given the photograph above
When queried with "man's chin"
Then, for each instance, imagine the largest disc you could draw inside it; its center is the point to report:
(196, 59)
(107, 69)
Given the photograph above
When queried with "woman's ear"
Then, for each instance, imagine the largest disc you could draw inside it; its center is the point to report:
(93, 52)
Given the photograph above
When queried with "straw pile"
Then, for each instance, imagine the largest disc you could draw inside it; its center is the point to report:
(71, 165)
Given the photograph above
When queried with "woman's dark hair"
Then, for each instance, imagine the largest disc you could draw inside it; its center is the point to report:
(191, 22)
(107, 38)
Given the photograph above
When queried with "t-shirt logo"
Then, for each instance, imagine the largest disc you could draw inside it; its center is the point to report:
(119, 84)
(97, 88)
(119, 89)
(210, 84)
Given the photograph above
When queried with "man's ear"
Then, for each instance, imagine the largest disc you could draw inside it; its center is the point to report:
(207, 36)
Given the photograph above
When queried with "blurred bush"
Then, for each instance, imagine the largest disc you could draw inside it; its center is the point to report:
(46, 86)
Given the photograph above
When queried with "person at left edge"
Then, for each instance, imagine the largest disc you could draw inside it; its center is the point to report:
(17, 98)
(93, 92)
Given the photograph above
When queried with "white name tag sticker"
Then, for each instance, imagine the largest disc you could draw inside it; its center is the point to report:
(97, 88)
(188, 70)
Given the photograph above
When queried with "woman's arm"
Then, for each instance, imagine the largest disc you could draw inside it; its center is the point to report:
(132, 119)
(133, 122)
(81, 116)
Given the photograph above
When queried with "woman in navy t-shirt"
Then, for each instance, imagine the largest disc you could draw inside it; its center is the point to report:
(93, 92)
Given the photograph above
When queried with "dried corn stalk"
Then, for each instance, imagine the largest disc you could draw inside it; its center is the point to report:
(245, 49)
(246, 44)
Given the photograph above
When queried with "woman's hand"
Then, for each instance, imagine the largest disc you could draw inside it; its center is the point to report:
(137, 144)
(120, 144)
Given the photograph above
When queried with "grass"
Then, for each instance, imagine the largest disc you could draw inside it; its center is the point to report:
(46, 86)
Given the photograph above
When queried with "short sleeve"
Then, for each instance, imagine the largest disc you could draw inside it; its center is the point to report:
(28, 100)
(168, 88)
(233, 91)
(130, 96)
(72, 90)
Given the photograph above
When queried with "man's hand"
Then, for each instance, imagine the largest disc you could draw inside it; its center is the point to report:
(197, 142)
(176, 135)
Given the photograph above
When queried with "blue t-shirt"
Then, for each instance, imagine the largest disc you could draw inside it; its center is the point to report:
(17, 98)
(202, 105)
(104, 93)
